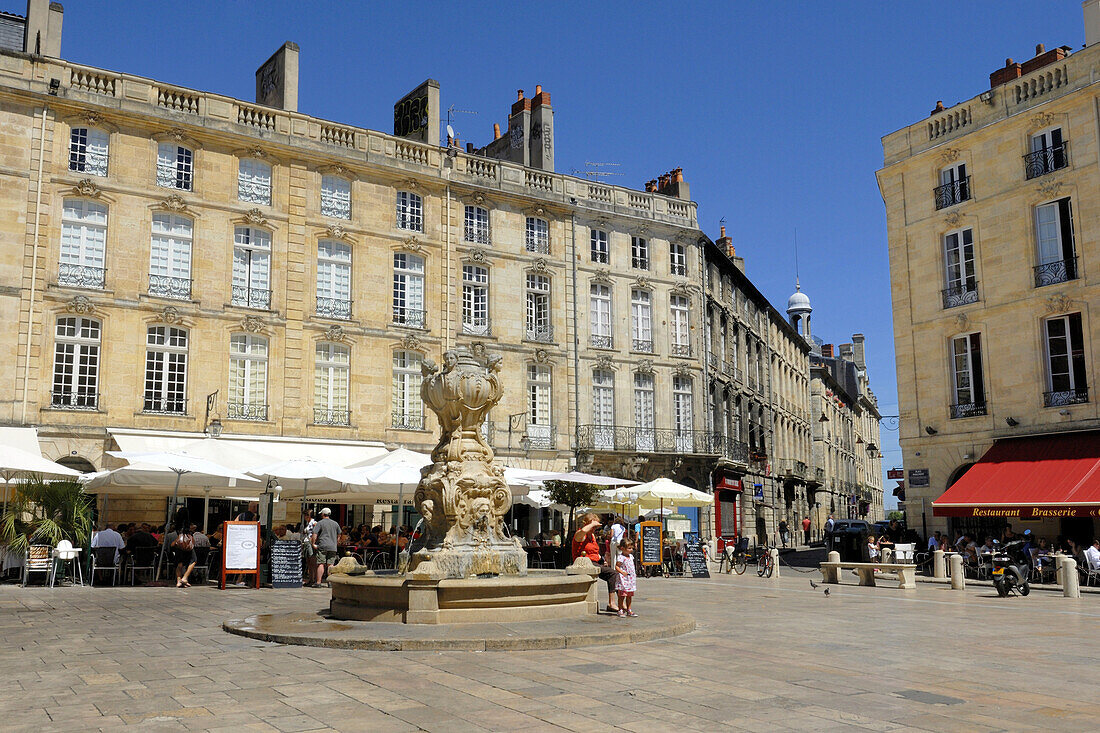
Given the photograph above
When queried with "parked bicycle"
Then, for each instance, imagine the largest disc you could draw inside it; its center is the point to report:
(735, 557)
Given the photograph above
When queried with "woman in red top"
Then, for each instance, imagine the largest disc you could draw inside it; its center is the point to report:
(586, 544)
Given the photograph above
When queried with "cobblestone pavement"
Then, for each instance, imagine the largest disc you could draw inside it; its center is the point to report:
(767, 656)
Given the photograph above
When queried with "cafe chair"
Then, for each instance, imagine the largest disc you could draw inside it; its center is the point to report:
(104, 560)
(39, 559)
(202, 564)
(1090, 571)
(65, 554)
(143, 558)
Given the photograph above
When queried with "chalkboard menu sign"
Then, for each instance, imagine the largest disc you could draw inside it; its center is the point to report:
(651, 543)
(240, 551)
(286, 564)
(696, 559)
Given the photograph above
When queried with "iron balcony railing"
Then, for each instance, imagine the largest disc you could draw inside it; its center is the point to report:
(541, 437)
(81, 276)
(477, 235)
(74, 400)
(244, 296)
(542, 333)
(407, 421)
(680, 349)
(602, 342)
(968, 409)
(165, 286)
(639, 263)
(1047, 160)
(952, 193)
(600, 257)
(642, 346)
(325, 416)
(678, 269)
(165, 405)
(476, 326)
(1059, 271)
(1064, 397)
(538, 245)
(961, 294)
(245, 411)
(410, 317)
(659, 440)
(335, 308)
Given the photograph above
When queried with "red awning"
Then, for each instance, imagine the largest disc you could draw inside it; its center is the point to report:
(1030, 478)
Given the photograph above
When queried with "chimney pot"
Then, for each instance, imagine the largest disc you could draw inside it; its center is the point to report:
(538, 89)
(496, 130)
(678, 176)
(723, 231)
(1040, 48)
(519, 95)
(1009, 62)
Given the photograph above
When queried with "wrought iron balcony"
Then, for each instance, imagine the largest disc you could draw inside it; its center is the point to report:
(335, 206)
(680, 349)
(541, 333)
(1064, 397)
(477, 235)
(81, 276)
(407, 421)
(411, 222)
(254, 192)
(602, 342)
(952, 193)
(74, 400)
(325, 416)
(540, 437)
(1059, 271)
(659, 440)
(639, 263)
(540, 246)
(476, 326)
(600, 257)
(245, 411)
(677, 268)
(968, 409)
(165, 286)
(335, 308)
(962, 294)
(1047, 160)
(410, 317)
(165, 405)
(259, 298)
(642, 346)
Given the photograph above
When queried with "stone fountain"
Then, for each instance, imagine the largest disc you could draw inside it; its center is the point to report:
(463, 566)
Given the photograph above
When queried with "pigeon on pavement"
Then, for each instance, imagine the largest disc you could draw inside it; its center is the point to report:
(826, 591)
(813, 584)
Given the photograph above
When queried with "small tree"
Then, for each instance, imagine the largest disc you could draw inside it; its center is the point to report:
(572, 495)
(896, 514)
(46, 512)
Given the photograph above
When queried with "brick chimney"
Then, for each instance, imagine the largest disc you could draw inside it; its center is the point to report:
(1013, 70)
(1010, 71)
(673, 184)
(858, 355)
(827, 350)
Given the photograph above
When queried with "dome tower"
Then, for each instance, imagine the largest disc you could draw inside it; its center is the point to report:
(799, 310)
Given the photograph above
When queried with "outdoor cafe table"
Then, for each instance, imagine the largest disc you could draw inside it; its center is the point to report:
(545, 554)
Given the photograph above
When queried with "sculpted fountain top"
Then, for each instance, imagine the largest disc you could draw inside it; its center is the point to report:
(462, 496)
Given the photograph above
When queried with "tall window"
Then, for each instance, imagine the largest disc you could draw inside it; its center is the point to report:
(83, 244)
(966, 359)
(679, 326)
(954, 186)
(166, 370)
(254, 181)
(603, 409)
(540, 429)
(600, 315)
(682, 414)
(252, 268)
(641, 321)
(538, 235)
(476, 227)
(1048, 153)
(170, 257)
(639, 253)
(408, 408)
(644, 418)
(331, 363)
(677, 259)
(76, 364)
(336, 197)
(88, 151)
(1054, 234)
(1067, 379)
(410, 211)
(408, 290)
(958, 257)
(601, 252)
(538, 309)
(247, 378)
(175, 166)
(333, 279)
(475, 300)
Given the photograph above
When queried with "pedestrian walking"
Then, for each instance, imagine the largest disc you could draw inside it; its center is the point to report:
(626, 581)
(784, 532)
(326, 534)
(806, 530)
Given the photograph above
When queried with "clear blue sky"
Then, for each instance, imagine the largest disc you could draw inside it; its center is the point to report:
(774, 110)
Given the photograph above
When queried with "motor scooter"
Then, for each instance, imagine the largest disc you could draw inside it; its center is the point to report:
(1011, 568)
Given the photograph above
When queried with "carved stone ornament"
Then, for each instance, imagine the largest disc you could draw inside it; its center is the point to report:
(643, 229)
(962, 321)
(542, 356)
(953, 219)
(412, 244)
(462, 496)
(643, 283)
(682, 288)
(81, 305)
(1041, 120)
(1059, 303)
(536, 211)
(1050, 187)
(91, 119)
(603, 277)
(175, 135)
(170, 315)
(87, 187)
(645, 366)
(585, 459)
(477, 348)
(681, 370)
(603, 361)
(252, 324)
(540, 265)
(410, 341)
(410, 184)
(257, 153)
(255, 216)
(174, 202)
(949, 155)
(335, 333)
(478, 199)
(335, 231)
(477, 255)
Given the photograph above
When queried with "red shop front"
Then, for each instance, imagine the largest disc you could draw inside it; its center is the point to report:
(727, 509)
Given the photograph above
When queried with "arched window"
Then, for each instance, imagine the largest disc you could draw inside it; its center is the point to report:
(679, 326)
(476, 225)
(537, 238)
(88, 151)
(408, 408)
(82, 262)
(330, 384)
(166, 370)
(538, 309)
(170, 257)
(247, 377)
(333, 279)
(603, 409)
(641, 321)
(600, 316)
(76, 364)
(408, 290)
(410, 211)
(252, 268)
(175, 166)
(644, 414)
(540, 427)
(336, 197)
(254, 181)
(683, 414)
(475, 300)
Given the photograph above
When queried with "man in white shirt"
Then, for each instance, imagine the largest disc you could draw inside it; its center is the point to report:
(1093, 555)
(108, 537)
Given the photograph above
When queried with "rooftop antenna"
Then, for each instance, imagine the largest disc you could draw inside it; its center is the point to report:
(592, 170)
(797, 285)
(451, 112)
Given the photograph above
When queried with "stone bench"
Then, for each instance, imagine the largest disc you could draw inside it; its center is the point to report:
(906, 572)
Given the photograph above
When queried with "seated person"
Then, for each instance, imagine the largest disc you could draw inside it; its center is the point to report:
(141, 538)
(986, 548)
(935, 541)
(1092, 555)
(291, 533)
(872, 549)
(108, 537)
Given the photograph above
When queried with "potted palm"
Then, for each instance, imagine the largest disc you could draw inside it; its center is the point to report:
(46, 512)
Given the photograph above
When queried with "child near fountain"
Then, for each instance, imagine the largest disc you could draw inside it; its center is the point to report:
(627, 581)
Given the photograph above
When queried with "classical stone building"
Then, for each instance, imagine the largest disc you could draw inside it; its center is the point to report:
(992, 209)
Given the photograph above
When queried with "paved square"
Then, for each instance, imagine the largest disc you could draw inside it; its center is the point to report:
(767, 656)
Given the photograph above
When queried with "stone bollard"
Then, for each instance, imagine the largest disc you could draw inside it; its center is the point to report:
(833, 556)
(1071, 585)
(939, 570)
(1058, 566)
(958, 580)
(775, 561)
